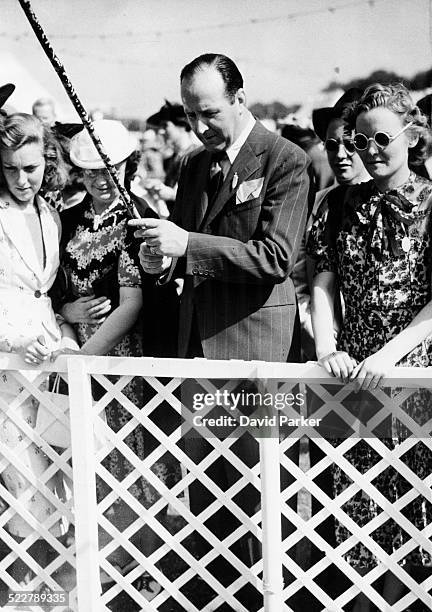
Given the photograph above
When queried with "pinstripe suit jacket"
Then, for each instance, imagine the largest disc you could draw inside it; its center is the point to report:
(240, 255)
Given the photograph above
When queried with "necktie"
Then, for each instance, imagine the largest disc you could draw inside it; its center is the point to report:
(216, 176)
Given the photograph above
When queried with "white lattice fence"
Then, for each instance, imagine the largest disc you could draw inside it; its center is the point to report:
(191, 579)
(165, 555)
(36, 523)
(417, 584)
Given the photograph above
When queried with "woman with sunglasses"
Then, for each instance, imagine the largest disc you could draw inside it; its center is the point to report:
(348, 169)
(375, 246)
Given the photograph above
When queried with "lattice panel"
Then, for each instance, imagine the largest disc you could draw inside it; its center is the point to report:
(305, 586)
(188, 578)
(36, 521)
(142, 533)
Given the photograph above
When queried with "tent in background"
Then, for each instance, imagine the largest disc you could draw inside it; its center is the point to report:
(28, 89)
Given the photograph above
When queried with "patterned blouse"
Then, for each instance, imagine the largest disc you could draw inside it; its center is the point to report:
(379, 246)
(97, 247)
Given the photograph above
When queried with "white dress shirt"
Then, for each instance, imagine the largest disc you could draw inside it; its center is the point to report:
(234, 149)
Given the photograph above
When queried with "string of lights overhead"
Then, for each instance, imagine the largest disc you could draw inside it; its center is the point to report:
(156, 34)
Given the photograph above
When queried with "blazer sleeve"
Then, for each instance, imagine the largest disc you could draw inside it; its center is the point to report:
(269, 256)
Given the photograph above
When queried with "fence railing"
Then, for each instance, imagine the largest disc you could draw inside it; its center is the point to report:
(258, 541)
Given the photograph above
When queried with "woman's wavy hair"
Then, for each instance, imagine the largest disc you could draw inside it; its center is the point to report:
(396, 98)
(19, 129)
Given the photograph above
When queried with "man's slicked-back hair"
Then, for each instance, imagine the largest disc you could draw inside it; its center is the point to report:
(229, 72)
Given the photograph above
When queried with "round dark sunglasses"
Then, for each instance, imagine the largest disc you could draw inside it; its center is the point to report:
(332, 145)
(381, 139)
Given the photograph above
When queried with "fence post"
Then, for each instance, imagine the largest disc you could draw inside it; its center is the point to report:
(84, 485)
(271, 516)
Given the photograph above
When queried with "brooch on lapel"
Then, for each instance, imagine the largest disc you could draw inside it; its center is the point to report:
(234, 181)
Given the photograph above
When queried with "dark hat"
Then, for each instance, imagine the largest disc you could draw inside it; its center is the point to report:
(66, 129)
(424, 105)
(169, 112)
(303, 137)
(6, 91)
(321, 117)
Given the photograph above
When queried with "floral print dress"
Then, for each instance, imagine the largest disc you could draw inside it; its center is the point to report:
(97, 246)
(379, 246)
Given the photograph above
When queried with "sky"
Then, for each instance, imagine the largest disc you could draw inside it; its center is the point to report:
(125, 56)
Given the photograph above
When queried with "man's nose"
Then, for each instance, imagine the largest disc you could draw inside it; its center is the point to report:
(201, 126)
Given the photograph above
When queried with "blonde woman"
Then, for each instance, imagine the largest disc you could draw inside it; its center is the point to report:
(29, 259)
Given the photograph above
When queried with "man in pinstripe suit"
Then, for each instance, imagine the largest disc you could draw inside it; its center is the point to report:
(235, 250)
(235, 245)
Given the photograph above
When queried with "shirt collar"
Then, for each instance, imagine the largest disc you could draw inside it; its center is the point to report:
(234, 149)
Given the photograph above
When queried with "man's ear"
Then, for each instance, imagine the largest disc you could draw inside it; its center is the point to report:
(241, 96)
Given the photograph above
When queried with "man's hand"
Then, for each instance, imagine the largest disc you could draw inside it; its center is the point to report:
(87, 309)
(153, 264)
(161, 236)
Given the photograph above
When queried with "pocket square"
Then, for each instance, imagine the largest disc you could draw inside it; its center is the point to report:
(249, 190)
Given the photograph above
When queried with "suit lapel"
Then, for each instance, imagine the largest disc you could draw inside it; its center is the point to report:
(11, 220)
(12, 227)
(245, 164)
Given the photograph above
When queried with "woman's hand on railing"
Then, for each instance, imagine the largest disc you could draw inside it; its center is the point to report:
(339, 364)
(33, 350)
(369, 372)
(87, 309)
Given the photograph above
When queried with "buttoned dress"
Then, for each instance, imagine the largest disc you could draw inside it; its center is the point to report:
(25, 311)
